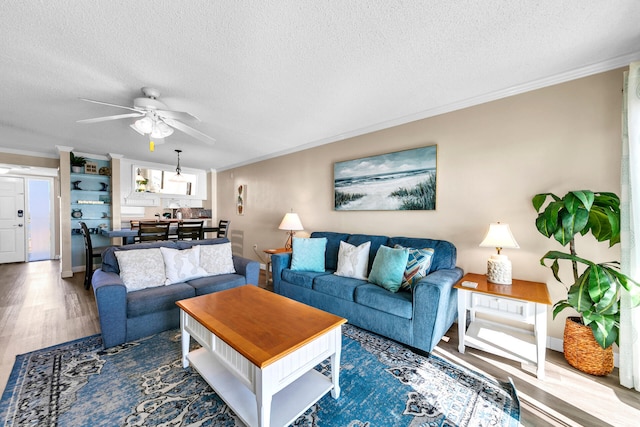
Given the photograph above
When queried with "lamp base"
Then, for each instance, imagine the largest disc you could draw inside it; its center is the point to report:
(499, 270)
(289, 243)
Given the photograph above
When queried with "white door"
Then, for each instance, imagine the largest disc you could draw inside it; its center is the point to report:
(12, 230)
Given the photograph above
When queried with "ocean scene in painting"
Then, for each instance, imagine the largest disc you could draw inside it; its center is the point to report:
(404, 180)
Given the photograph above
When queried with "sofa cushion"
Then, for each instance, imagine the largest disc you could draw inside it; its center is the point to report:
(110, 262)
(301, 278)
(396, 303)
(217, 259)
(152, 300)
(141, 268)
(182, 265)
(353, 261)
(210, 284)
(376, 242)
(417, 266)
(444, 256)
(337, 286)
(308, 254)
(388, 267)
(333, 246)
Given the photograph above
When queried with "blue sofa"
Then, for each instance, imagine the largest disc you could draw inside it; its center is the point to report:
(127, 316)
(419, 318)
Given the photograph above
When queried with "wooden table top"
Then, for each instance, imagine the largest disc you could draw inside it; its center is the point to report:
(260, 325)
(277, 251)
(518, 289)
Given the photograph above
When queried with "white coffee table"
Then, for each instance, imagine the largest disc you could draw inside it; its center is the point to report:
(259, 350)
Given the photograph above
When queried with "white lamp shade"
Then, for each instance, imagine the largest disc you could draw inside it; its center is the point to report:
(499, 236)
(291, 221)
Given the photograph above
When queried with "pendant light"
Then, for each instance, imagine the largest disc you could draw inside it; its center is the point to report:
(178, 176)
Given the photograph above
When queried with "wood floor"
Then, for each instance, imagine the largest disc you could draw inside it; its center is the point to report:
(39, 309)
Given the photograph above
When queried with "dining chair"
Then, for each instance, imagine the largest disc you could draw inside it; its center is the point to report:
(192, 230)
(90, 253)
(152, 231)
(134, 224)
(223, 228)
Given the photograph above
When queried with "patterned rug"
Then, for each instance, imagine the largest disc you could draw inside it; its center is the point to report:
(143, 384)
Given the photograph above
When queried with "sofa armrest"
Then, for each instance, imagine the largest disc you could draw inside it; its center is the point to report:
(434, 306)
(111, 299)
(248, 268)
(278, 263)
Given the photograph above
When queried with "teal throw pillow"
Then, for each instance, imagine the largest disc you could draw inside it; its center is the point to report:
(388, 267)
(308, 254)
(418, 266)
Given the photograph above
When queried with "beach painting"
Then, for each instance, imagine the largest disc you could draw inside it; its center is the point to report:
(402, 180)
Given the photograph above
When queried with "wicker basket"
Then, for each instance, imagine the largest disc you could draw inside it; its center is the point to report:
(583, 352)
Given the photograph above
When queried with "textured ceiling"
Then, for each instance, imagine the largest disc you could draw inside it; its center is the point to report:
(271, 77)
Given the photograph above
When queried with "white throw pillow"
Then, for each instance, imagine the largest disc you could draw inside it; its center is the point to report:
(182, 265)
(217, 259)
(353, 261)
(141, 268)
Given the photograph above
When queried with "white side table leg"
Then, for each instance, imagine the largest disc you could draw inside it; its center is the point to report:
(185, 339)
(335, 363)
(540, 330)
(462, 318)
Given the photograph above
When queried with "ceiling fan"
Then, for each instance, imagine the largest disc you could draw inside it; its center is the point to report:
(155, 120)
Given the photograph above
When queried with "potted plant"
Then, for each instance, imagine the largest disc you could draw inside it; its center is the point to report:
(595, 292)
(77, 163)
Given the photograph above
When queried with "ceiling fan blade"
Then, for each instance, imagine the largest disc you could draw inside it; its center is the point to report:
(176, 115)
(104, 119)
(111, 105)
(190, 131)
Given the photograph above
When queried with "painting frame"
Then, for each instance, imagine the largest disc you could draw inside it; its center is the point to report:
(399, 180)
(241, 199)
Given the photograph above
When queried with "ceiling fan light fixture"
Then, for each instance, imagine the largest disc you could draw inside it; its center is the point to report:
(143, 125)
(161, 130)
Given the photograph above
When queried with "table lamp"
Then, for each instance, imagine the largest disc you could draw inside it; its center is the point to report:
(291, 223)
(499, 266)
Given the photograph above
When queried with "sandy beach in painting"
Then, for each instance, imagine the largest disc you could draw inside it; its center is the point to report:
(378, 189)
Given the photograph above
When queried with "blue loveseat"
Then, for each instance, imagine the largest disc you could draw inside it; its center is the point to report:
(127, 316)
(418, 318)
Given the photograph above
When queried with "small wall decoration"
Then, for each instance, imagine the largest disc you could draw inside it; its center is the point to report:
(91, 167)
(402, 180)
(240, 199)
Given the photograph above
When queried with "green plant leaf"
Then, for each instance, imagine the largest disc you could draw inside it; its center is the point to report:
(559, 306)
(604, 328)
(603, 290)
(539, 199)
(578, 295)
(548, 222)
(586, 198)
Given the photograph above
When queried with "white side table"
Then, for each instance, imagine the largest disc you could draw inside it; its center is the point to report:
(514, 320)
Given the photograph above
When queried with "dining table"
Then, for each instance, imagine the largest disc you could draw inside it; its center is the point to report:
(128, 234)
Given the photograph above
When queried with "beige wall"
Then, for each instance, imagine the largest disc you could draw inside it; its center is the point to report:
(492, 159)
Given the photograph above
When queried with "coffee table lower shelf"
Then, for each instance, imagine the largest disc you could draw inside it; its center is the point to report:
(288, 404)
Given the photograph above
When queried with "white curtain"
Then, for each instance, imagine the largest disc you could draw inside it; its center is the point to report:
(630, 226)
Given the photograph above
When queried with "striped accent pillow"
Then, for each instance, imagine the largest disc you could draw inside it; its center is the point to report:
(418, 266)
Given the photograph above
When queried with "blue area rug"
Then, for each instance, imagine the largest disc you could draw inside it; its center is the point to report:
(143, 384)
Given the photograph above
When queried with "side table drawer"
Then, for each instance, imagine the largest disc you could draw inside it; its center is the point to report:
(503, 307)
